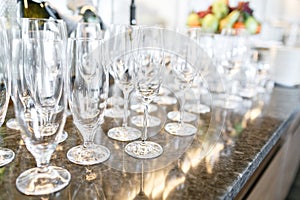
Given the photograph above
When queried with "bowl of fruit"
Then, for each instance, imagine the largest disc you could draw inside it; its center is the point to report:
(220, 15)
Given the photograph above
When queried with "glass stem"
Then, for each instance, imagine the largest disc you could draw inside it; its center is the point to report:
(126, 102)
(88, 137)
(142, 179)
(145, 123)
(182, 102)
(43, 160)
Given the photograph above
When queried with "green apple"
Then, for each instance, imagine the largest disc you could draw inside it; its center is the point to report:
(220, 8)
(210, 23)
(251, 24)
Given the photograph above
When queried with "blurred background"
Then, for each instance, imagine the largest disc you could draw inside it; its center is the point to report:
(174, 13)
(280, 20)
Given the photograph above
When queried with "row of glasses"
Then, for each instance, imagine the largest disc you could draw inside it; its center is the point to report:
(46, 79)
(231, 54)
(40, 90)
(140, 60)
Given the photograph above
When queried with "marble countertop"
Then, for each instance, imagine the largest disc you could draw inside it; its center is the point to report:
(210, 165)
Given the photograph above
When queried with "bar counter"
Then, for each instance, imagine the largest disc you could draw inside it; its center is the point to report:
(206, 166)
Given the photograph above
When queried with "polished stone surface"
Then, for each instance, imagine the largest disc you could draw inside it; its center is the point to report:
(205, 166)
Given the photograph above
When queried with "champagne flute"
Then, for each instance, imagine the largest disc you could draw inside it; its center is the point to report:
(115, 101)
(88, 91)
(38, 66)
(149, 64)
(6, 155)
(205, 40)
(122, 70)
(183, 75)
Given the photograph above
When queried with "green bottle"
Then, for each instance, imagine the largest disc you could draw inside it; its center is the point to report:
(37, 9)
(43, 9)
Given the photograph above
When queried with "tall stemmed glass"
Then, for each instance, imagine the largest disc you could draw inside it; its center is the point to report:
(122, 70)
(88, 91)
(230, 53)
(149, 64)
(183, 75)
(205, 39)
(38, 66)
(6, 155)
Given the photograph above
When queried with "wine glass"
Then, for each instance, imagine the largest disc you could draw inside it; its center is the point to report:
(149, 64)
(230, 53)
(6, 155)
(88, 91)
(38, 68)
(183, 75)
(205, 39)
(122, 70)
(115, 101)
(248, 77)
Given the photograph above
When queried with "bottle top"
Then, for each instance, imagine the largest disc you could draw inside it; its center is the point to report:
(75, 5)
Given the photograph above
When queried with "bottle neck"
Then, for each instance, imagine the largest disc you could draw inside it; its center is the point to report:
(132, 13)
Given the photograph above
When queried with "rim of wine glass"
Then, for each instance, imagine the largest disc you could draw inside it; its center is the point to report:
(42, 19)
(59, 21)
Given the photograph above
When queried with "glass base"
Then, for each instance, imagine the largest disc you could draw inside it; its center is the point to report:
(6, 156)
(63, 137)
(197, 108)
(13, 124)
(187, 117)
(247, 93)
(165, 100)
(88, 156)
(143, 149)
(36, 182)
(115, 100)
(227, 102)
(114, 112)
(139, 121)
(140, 108)
(124, 134)
(180, 129)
